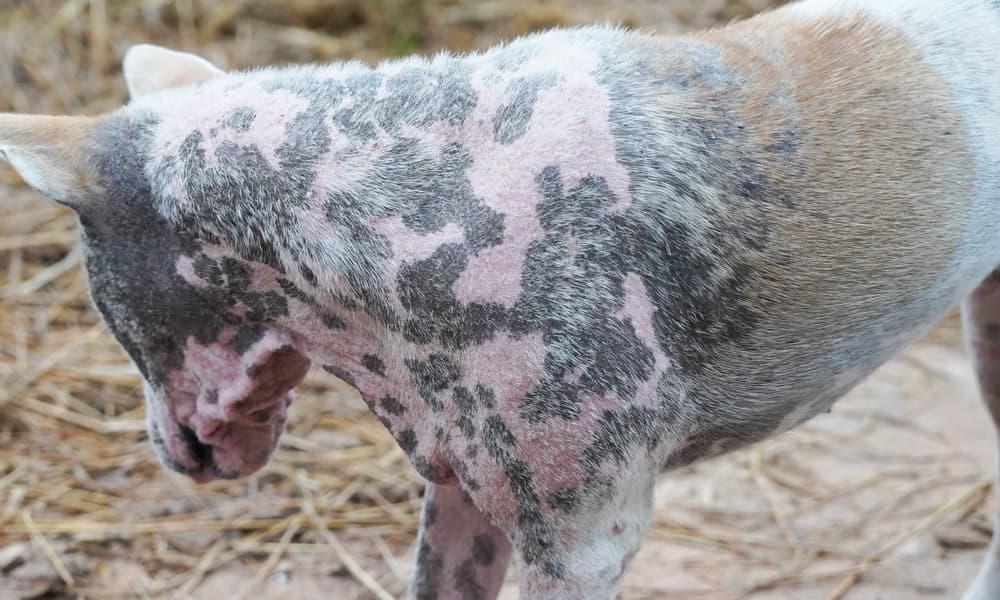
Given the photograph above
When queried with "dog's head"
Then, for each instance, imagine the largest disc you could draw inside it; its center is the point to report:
(201, 321)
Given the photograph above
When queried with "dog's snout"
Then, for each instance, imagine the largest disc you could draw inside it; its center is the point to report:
(200, 452)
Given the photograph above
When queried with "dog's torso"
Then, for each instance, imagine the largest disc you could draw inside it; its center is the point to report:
(619, 240)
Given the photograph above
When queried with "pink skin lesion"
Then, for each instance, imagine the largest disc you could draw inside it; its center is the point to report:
(185, 268)
(237, 404)
(247, 414)
(346, 163)
(555, 466)
(509, 366)
(274, 109)
(638, 309)
(413, 246)
(504, 175)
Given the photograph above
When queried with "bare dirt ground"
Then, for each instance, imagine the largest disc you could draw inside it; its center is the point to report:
(889, 496)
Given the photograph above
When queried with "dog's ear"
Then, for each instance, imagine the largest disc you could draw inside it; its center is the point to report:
(149, 69)
(50, 154)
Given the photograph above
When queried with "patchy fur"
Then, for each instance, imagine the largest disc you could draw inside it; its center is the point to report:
(557, 267)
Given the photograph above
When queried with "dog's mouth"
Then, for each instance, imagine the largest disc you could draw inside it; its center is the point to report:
(221, 415)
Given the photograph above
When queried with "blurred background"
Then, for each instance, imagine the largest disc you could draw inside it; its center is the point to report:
(887, 497)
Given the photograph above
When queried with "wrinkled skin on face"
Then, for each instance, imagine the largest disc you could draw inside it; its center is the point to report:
(551, 270)
(218, 380)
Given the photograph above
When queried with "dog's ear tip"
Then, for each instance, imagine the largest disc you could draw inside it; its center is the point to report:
(148, 68)
(49, 154)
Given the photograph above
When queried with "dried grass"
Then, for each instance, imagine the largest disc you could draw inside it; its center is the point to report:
(81, 493)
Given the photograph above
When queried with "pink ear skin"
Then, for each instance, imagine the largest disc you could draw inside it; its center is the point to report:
(149, 69)
(48, 152)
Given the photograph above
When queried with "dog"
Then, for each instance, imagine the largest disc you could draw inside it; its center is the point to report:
(552, 269)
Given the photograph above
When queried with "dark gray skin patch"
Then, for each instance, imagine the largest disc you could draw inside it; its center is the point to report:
(453, 100)
(447, 197)
(332, 321)
(230, 279)
(373, 364)
(341, 374)
(618, 432)
(578, 264)
(564, 499)
(208, 188)
(429, 574)
(466, 583)
(534, 535)
(209, 270)
(486, 396)
(240, 119)
(407, 440)
(392, 406)
(513, 117)
(484, 550)
(308, 275)
(426, 290)
(246, 337)
(433, 376)
(148, 307)
(467, 406)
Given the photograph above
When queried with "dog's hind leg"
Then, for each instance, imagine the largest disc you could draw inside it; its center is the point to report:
(981, 322)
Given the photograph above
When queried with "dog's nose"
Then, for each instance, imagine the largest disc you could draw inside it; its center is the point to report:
(201, 453)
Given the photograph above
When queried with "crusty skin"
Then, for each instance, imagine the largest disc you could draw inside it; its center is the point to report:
(555, 268)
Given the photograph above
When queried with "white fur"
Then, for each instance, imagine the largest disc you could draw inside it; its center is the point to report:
(149, 69)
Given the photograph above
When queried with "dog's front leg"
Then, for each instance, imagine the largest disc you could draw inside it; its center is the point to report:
(584, 553)
(459, 555)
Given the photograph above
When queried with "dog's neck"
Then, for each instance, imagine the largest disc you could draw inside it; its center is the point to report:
(377, 258)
